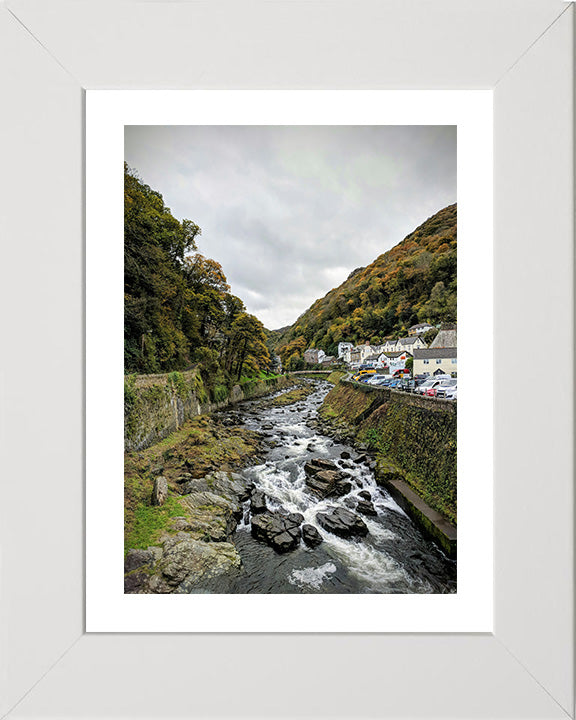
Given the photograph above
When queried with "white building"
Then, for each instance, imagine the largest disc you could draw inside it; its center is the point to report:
(432, 361)
(396, 360)
(410, 344)
(419, 329)
(342, 347)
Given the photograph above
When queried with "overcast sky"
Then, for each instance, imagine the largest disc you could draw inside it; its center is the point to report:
(290, 211)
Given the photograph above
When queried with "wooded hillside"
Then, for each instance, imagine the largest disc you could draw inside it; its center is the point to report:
(177, 306)
(413, 282)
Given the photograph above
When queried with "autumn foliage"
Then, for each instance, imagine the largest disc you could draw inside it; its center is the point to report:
(413, 282)
(178, 309)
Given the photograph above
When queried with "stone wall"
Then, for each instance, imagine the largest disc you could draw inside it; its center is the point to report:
(156, 405)
(414, 437)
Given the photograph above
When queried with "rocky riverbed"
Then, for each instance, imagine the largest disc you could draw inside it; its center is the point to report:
(298, 510)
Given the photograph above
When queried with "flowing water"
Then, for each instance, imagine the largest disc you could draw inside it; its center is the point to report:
(393, 558)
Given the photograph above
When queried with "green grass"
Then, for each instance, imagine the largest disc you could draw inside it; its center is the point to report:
(149, 522)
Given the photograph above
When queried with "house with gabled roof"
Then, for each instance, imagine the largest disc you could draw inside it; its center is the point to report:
(432, 361)
(410, 343)
(313, 356)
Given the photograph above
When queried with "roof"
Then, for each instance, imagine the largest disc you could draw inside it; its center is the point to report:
(445, 339)
(408, 340)
(420, 325)
(373, 357)
(397, 353)
(432, 353)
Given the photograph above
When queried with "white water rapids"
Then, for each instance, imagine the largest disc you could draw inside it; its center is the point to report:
(393, 558)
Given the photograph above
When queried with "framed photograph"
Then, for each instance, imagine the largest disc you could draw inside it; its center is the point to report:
(73, 82)
(349, 583)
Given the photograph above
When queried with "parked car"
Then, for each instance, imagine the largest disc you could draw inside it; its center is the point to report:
(408, 385)
(384, 383)
(446, 389)
(432, 390)
(377, 379)
(431, 382)
(418, 380)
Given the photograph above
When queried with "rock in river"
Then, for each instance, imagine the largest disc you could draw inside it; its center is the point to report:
(282, 532)
(328, 482)
(311, 536)
(342, 522)
(366, 508)
(317, 464)
(258, 503)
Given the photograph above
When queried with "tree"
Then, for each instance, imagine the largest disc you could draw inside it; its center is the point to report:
(247, 346)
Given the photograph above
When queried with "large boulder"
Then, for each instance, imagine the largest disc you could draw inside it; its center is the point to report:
(328, 482)
(365, 507)
(181, 564)
(160, 491)
(317, 464)
(188, 564)
(211, 517)
(342, 522)
(138, 558)
(258, 503)
(311, 536)
(230, 485)
(281, 532)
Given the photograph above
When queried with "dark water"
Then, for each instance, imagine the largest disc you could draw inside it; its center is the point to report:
(393, 558)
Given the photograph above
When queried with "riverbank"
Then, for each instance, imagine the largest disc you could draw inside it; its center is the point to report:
(185, 491)
(413, 441)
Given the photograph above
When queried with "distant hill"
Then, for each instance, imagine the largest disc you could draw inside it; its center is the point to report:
(413, 282)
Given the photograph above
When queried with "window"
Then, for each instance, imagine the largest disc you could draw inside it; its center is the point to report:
(426, 362)
(438, 361)
(453, 361)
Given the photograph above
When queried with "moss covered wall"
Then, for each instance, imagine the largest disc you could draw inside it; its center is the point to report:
(156, 405)
(410, 434)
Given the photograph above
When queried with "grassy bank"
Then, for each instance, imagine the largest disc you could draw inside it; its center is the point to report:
(200, 446)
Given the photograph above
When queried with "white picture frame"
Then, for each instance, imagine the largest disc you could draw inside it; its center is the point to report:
(56, 49)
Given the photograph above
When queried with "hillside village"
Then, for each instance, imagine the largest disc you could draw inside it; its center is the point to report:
(411, 352)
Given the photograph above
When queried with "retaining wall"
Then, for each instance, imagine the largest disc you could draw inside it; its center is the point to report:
(414, 439)
(157, 405)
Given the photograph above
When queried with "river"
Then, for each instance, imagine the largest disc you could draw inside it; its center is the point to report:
(393, 557)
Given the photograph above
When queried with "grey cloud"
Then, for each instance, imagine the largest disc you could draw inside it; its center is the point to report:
(289, 210)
